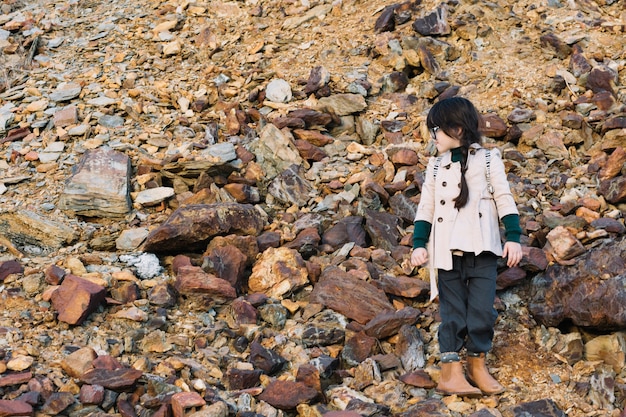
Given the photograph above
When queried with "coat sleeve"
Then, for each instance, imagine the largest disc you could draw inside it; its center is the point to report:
(505, 203)
(426, 206)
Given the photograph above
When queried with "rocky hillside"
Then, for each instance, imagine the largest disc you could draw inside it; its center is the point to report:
(206, 207)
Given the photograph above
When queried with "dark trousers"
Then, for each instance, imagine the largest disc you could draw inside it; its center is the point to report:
(466, 297)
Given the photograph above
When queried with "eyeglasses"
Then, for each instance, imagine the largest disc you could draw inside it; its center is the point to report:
(433, 132)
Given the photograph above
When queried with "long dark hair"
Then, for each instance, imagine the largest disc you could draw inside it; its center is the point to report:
(459, 119)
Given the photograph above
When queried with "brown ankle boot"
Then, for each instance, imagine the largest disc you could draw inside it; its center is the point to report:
(478, 374)
(452, 381)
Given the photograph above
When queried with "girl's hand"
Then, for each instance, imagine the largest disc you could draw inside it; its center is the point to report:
(513, 253)
(419, 256)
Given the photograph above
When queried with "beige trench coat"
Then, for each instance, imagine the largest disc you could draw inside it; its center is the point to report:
(475, 228)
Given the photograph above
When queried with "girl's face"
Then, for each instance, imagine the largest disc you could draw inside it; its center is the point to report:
(443, 142)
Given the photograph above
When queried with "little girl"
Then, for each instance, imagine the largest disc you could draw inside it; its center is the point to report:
(464, 195)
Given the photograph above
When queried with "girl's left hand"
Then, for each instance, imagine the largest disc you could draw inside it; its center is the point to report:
(513, 253)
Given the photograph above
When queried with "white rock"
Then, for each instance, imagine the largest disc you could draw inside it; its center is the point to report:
(278, 91)
(154, 196)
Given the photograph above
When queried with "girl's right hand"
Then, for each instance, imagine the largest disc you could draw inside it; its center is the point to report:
(419, 256)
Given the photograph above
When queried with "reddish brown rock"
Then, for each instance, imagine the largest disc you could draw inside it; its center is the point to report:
(287, 395)
(77, 298)
(193, 226)
(184, 400)
(312, 118)
(57, 402)
(228, 263)
(388, 323)
(308, 151)
(358, 348)
(10, 267)
(589, 293)
(493, 126)
(418, 378)
(243, 312)
(403, 156)
(614, 164)
(614, 190)
(306, 242)
(265, 359)
(534, 259)
(239, 379)
(310, 376)
(113, 379)
(91, 394)
(335, 286)
(510, 277)
(193, 281)
(14, 408)
(314, 137)
(402, 286)
(54, 275)
(15, 379)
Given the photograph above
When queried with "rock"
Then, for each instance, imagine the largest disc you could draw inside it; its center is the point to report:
(266, 360)
(382, 229)
(387, 323)
(181, 401)
(77, 363)
(335, 285)
(358, 348)
(348, 229)
(9, 408)
(100, 185)
(286, 395)
(30, 228)
(153, 196)
(435, 23)
(113, 379)
(76, 299)
(193, 226)
(278, 91)
(410, 348)
(277, 272)
(564, 243)
(342, 104)
(241, 379)
(578, 292)
(10, 267)
(545, 407)
(274, 151)
(193, 282)
(418, 378)
(57, 402)
(402, 286)
(327, 328)
(291, 187)
(66, 91)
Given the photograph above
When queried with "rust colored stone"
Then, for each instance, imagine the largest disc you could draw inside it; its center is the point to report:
(76, 298)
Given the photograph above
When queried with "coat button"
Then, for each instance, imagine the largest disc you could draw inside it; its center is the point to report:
(480, 215)
(459, 185)
(473, 151)
(447, 166)
(442, 202)
(440, 219)
(444, 184)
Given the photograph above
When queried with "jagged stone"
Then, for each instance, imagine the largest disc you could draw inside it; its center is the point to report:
(287, 395)
(193, 226)
(76, 299)
(335, 286)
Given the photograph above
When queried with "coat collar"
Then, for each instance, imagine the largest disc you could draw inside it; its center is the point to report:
(446, 158)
